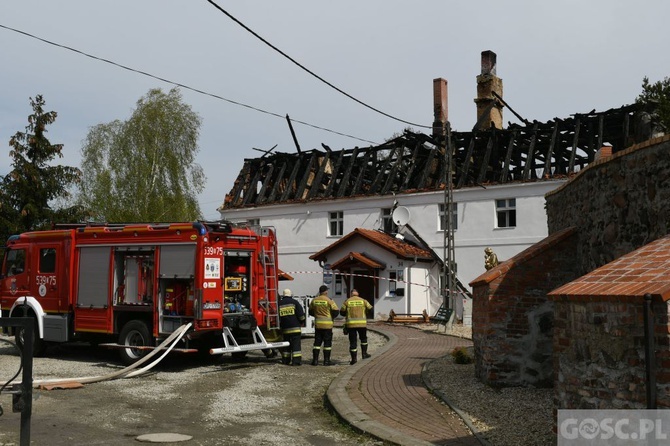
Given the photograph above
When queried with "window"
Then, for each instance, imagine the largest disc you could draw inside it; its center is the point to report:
(335, 224)
(15, 261)
(388, 225)
(395, 277)
(338, 285)
(454, 217)
(506, 213)
(254, 222)
(48, 260)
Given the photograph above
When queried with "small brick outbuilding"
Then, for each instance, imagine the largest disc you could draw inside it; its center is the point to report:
(599, 333)
(512, 316)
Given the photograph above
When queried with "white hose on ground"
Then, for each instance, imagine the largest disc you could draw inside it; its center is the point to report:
(126, 372)
(145, 369)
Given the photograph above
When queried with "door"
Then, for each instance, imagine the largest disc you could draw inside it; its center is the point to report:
(365, 281)
(15, 280)
(49, 258)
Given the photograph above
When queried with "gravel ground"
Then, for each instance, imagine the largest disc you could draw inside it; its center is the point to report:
(255, 402)
(504, 416)
(216, 401)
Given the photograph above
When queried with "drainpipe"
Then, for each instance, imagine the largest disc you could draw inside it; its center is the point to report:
(649, 355)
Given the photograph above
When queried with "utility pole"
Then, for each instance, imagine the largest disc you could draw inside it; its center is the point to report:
(448, 276)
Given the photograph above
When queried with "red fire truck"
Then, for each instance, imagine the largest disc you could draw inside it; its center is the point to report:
(132, 285)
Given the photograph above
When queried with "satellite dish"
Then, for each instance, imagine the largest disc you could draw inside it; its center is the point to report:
(400, 216)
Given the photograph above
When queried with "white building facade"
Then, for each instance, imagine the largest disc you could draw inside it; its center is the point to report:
(507, 218)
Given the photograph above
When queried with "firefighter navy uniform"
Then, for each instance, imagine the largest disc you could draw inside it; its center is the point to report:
(291, 318)
(355, 310)
(324, 311)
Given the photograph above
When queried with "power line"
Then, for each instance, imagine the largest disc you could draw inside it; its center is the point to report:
(310, 71)
(183, 85)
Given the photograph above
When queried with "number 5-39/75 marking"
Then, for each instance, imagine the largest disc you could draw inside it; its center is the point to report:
(45, 280)
(213, 250)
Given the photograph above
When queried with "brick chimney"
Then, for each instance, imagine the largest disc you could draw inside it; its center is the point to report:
(602, 153)
(440, 107)
(489, 110)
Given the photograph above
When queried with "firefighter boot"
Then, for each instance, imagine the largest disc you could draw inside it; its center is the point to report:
(297, 360)
(353, 357)
(326, 357)
(364, 350)
(315, 357)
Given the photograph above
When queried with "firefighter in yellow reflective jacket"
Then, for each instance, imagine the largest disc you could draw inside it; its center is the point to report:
(355, 309)
(291, 318)
(324, 311)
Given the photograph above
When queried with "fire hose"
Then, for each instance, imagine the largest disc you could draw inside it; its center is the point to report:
(129, 371)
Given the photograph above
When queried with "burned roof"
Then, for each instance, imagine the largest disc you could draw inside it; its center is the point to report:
(416, 162)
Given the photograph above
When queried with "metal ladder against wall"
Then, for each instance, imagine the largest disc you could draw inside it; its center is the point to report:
(271, 285)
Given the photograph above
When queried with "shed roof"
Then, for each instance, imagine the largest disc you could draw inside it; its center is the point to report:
(631, 276)
(400, 248)
(356, 258)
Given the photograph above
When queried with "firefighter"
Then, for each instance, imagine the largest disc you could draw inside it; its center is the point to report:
(291, 318)
(324, 311)
(355, 309)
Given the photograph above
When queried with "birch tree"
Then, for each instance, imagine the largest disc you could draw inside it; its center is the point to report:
(144, 169)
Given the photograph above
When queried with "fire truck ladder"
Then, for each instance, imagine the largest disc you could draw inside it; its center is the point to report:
(270, 273)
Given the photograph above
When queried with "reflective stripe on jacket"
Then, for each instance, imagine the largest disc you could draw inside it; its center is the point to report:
(324, 310)
(291, 315)
(355, 309)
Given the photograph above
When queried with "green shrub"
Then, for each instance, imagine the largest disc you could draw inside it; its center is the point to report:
(461, 355)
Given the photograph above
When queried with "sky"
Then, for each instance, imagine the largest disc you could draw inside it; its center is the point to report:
(555, 59)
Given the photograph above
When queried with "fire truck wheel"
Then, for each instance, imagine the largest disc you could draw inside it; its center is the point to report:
(134, 333)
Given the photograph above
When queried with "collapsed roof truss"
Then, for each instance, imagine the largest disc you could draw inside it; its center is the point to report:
(416, 162)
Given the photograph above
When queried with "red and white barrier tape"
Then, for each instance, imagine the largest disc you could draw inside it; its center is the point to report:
(363, 275)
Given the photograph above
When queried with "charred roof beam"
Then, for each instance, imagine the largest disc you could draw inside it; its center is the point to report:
(335, 174)
(290, 184)
(347, 173)
(277, 183)
(316, 182)
(412, 165)
(361, 173)
(300, 191)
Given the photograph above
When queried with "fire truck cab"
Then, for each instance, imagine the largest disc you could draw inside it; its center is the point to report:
(131, 285)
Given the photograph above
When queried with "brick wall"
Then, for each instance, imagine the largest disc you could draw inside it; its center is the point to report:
(599, 350)
(512, 317)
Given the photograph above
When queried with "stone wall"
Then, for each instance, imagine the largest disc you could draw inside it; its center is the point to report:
(614, 206)
(599, 350)
(618, 203)
(512, 317)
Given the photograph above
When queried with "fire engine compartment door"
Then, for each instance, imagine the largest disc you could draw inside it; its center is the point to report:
(93, 290)
(176, 285)
(177, 261)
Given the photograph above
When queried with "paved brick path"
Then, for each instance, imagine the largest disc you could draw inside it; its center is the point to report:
(385, 395)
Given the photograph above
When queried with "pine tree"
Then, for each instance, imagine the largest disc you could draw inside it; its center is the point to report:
(657, 95)
(31, 188)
